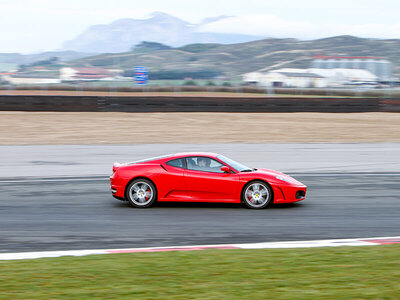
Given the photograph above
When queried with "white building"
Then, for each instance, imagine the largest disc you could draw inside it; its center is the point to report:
(378, 66)
(253, 78)
(286, 78)
(86, 74)
(341, 77)
(307, 78)
(17, 79)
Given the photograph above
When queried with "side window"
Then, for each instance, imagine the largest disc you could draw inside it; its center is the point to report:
(206, 164)
(178, 163)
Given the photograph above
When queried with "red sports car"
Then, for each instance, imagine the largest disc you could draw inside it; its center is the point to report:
(201, 177)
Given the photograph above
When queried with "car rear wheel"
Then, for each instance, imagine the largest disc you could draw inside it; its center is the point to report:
(257, 194)
(141, 193)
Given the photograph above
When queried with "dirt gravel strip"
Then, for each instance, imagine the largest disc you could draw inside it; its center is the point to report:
(30, 128)
(269, 245)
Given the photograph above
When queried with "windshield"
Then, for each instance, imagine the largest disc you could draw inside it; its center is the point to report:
(234, 164)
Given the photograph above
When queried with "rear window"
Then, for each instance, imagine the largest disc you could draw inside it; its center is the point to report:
(178, 163)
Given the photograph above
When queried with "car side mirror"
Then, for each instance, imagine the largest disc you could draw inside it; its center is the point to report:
(225, 169)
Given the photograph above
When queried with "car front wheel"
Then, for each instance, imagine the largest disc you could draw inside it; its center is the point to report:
(257, 194)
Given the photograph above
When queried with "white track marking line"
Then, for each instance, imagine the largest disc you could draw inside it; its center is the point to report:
(56, 180)
(268, 245)
(42, 254)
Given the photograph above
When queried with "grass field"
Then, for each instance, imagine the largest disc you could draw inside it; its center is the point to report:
(318, 273)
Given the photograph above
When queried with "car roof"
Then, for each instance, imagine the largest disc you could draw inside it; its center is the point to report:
(188, 154)
(168, 157)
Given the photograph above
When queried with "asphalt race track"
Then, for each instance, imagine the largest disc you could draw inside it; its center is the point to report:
(93, 160)
(80, 213)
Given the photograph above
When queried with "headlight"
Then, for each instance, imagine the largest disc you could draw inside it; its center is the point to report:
(282, 178)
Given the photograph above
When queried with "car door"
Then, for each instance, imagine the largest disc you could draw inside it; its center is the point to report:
(171, 184)
(209, 183)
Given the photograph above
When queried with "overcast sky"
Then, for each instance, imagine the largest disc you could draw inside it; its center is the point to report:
(37, 25)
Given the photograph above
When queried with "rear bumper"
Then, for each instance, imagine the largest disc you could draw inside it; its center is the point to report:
(117, 190)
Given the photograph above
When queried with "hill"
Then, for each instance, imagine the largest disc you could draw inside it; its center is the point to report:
(122, 34)
(235, 59)
(23, 59)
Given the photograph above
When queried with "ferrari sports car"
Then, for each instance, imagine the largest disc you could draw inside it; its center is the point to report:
(201, 177)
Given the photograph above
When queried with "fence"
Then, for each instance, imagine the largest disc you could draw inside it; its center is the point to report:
(195, 104)
(77, 89)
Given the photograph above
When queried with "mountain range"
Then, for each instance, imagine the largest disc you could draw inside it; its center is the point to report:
(171, 48)
(235, 59)
(121, 35)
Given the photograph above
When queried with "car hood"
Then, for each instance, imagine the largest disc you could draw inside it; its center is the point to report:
(269, 172)
(270, 176)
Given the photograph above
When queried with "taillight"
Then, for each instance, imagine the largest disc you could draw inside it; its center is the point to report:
(115, 167)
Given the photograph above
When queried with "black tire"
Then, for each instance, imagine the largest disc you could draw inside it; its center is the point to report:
(142, 183)
(269, 198)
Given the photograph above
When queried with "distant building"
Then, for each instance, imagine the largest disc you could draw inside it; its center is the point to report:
(308, 78)
(30, 79)
(40, 69)
(378, 66)
(86, 74)
(6, 74)
(285, 78)
(295, 78)
(253, 78)
(346, 77)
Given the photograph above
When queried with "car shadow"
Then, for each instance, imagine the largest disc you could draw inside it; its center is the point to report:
(198, 205)
(208, 205)
(286, 205)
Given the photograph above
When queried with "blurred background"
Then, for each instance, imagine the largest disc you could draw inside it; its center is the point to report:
(198, 59)
(310, 88)
(271, 44)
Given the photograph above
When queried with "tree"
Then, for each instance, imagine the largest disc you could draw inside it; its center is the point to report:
(150, 46)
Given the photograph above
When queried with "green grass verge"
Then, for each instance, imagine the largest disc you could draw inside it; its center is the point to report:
(319, 273)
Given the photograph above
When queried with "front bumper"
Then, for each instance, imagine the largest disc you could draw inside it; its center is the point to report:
(289, 193)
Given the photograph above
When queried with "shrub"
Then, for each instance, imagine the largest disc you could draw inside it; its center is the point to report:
(190, 82)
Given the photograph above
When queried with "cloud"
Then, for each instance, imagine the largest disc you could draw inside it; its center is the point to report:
(273, 26)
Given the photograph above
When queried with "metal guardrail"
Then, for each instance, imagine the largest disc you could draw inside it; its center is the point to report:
(330, 92)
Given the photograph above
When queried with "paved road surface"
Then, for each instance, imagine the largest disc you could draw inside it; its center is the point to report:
(81, 214)
(78, 160)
